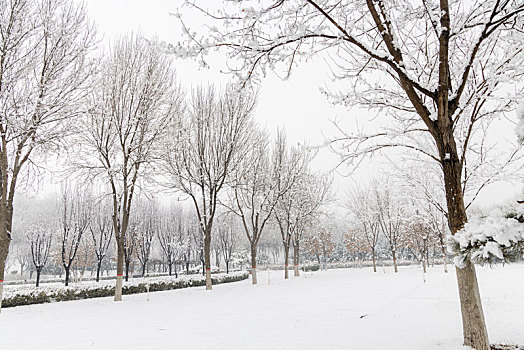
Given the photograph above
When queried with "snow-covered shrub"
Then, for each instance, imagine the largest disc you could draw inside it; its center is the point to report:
(26, 295)
(490, 238)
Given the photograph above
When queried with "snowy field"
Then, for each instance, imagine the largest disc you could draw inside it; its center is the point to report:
(336, 309)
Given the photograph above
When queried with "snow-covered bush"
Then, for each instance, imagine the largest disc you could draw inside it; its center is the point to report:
(25, 295)
(490, 238)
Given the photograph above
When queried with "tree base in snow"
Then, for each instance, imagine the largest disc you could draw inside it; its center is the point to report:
(506, 347)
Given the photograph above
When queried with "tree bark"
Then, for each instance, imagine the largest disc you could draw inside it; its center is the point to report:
(38, 271)
(119, 269)
(473, 321)
(374, 261)
(296, 260)
(286, 261)
(5, 240)
(207, 259)
(98, 268)
(253, 263)
(67, 273)
(394, 254)
(227, 266)
(3, 256)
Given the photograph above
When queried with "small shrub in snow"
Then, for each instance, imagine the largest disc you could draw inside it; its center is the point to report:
(498, 236)
(18, 295)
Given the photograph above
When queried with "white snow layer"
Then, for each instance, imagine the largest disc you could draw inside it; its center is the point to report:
(335, 309)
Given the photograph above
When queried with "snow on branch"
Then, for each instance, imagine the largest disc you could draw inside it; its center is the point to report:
(490, 239)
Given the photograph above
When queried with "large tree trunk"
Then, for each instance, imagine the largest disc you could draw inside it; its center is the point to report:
(374, 262)
(119, 269)
(473, 322)
(227, 267)
(394, 254)
(253, 263)
(296, 260)
(286, 261)
(170, 267)
(4, 250)
(207, 259)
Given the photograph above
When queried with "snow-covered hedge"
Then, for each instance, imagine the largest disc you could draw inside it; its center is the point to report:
(18, 295)
(487, 239)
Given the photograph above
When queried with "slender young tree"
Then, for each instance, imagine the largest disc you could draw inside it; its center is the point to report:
(146, 233)
(362, 209)
(75, 218)
(202, 152)
(101, 229)
(40, 239)
(391, 218)
(44, 72)
(256, 190)
(227, 237)
(135, 99)
(169, 230)
(314, 192)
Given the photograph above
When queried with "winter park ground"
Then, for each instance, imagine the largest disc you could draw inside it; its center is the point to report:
(335, 309)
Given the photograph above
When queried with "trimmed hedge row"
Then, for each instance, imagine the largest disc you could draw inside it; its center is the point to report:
(79, 293)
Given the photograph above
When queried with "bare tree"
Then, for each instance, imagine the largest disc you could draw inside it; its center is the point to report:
(314, 192)
(320, 244)
(227, 237)
(101, 229)
(445, 62)
(40, 238)
(361, 207)
(146, 233)
(135, 99)
(130, 246)
(169, 232)
(75, 210)
(256, 191)
(390, 217)
(201, 153)
(44, 70)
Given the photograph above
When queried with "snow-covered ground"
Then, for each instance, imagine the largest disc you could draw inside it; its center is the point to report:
(336, 309)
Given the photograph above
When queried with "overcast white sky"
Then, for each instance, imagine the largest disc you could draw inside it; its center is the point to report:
(295, 104)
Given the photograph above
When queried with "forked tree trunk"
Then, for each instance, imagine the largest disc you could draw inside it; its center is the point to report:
(296, 260)
(394, 254)
(207, 259)
(253, 264)
(119, 269)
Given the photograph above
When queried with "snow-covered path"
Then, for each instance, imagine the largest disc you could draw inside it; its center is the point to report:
(337, 309)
